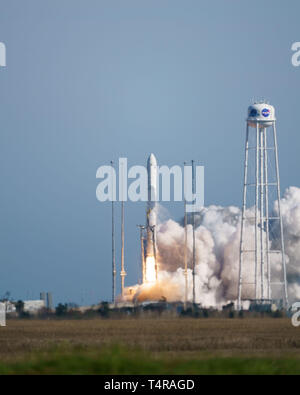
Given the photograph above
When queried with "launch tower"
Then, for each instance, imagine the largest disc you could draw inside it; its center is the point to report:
(261, 260)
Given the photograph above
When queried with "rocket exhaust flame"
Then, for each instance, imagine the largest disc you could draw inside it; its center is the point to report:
(150, 275)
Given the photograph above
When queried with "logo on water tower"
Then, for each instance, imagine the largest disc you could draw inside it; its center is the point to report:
(265, 112)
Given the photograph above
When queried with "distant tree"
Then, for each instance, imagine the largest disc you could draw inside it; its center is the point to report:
(104, 309)
(231, 314)
(61, 309)
(20, 306)
(278, 314)
(20, 309)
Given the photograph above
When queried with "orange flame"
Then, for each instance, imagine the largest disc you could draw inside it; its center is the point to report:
(150, 272)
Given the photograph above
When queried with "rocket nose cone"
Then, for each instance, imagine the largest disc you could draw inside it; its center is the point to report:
(152, 160)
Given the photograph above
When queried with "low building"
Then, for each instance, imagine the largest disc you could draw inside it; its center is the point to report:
(34, 306)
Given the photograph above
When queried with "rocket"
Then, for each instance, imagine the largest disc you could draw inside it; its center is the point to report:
(151, 268)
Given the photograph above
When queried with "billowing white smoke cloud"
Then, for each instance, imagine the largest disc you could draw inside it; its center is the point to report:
(217, 255)
(290, 210)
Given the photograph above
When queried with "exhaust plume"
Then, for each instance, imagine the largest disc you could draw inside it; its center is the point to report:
(217, 255)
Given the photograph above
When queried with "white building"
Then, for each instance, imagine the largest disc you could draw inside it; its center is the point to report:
(33, 306)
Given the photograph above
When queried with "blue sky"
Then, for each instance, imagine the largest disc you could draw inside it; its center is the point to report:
(91, 81)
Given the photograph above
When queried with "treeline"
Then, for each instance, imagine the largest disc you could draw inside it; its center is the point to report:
(104, 311)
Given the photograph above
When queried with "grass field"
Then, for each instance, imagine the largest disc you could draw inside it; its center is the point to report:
(150, 346)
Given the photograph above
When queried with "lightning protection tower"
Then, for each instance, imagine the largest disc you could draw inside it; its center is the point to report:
(262, 265)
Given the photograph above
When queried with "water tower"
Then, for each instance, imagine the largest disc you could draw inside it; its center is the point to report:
(262, 265)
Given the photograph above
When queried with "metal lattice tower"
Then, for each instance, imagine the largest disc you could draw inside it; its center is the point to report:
(123, 272)
(113, 249)
(194, 235)
(257, 280)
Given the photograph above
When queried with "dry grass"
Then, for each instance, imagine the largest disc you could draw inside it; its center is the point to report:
(184, 337)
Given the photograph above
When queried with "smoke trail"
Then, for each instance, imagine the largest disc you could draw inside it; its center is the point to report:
(217, 252)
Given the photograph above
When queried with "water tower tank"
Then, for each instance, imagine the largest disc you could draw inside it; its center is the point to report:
(262, 114)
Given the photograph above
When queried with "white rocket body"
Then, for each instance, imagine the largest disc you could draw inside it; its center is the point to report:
(151, 205)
